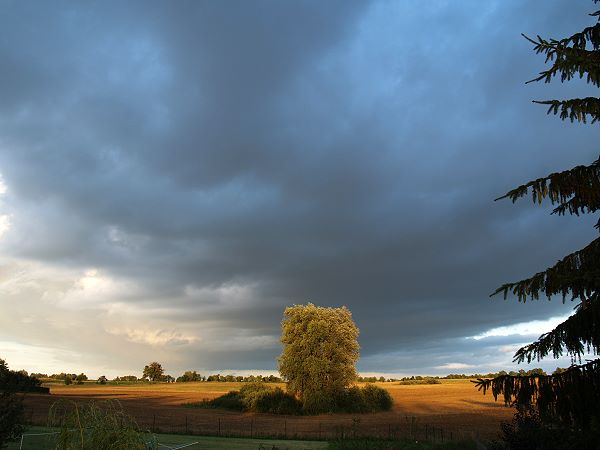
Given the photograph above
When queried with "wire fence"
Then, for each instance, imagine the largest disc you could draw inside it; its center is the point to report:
(293, 427)
(257, 427)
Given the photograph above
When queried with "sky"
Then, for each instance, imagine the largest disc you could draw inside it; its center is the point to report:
(174, 175)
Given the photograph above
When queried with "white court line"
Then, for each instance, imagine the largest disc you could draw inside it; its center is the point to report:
(35, 434)
(177, 448)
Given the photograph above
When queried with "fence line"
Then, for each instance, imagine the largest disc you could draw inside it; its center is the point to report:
(254, 427)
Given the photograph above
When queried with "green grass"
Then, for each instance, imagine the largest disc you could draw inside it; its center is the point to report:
(405, 444)
(222, 443)
(174, 440)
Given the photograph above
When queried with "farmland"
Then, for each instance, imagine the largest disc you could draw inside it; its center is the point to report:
(454, 408)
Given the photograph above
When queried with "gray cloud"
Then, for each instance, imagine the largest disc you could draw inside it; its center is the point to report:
(176, 176)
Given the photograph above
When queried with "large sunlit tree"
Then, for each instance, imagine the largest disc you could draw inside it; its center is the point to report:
(320, 350)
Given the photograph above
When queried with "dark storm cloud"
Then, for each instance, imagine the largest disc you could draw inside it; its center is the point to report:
(228, 159)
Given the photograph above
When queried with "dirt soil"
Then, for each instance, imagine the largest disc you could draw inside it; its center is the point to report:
(454, 409)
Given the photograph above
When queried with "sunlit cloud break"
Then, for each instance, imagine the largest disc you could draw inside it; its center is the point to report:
(534, 327)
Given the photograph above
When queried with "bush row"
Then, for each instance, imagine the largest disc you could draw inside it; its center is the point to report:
(426, 380)
(259, 397)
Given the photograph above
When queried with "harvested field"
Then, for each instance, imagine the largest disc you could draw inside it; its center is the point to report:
(454, 408)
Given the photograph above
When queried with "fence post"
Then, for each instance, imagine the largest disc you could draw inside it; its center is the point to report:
(285, 429)
(219, 429)
(426, 432)
(442, 433)
(251, 427)
(154, 423)
(319, 430)
(186, 425)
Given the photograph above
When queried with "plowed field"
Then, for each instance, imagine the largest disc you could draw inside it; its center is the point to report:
(454, 408)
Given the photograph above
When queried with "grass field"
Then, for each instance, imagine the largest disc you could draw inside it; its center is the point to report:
(167, 441)
(451, 409)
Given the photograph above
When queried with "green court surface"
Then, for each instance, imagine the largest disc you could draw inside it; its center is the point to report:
(36, 438)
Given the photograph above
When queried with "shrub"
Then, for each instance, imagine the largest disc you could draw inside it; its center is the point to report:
(351, 400)
(377, 399)
(95, 426)
(371, 398)
(259, 397)
(232, 400)
(426, 380)
(12, 416)
(251, 392)
(277, 401)
(318, 401)
(528, 432)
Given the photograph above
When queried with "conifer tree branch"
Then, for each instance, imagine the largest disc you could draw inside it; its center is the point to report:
(578, 205)
(577, 274)
(577, 109)
(576, 335)
(567, 62)
(581, 181)
(571, 396)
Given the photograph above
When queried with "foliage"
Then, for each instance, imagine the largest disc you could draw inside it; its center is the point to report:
(127, 379)
(12, 416)
(256, 397)
(167, 378)
(16, 380)
(232, 401)
(95, 426)
(572, 397)
(320, 349)
(101, 380)
(397, 444)
(251, 392)
(528, 431)
(259, 397)
(189, 376)
(424, 380)
(371, 398)
(153, 371)
(377, 399)
(276, 401)
(12, 412)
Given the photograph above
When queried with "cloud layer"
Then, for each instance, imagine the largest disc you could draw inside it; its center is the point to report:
(174, 176)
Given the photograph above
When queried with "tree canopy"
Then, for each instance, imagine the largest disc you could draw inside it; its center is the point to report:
(320, 349)
(153, 371)
(570, 397)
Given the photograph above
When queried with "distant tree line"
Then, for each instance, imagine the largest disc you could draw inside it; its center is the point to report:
(456, 376)
(17, 380)
(193, 376)
(512, 373)
(67, 378)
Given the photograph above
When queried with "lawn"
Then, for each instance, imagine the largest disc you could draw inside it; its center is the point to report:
(176, 440)
(36, 440)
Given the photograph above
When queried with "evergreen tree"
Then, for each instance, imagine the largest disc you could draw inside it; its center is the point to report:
(570, 397)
